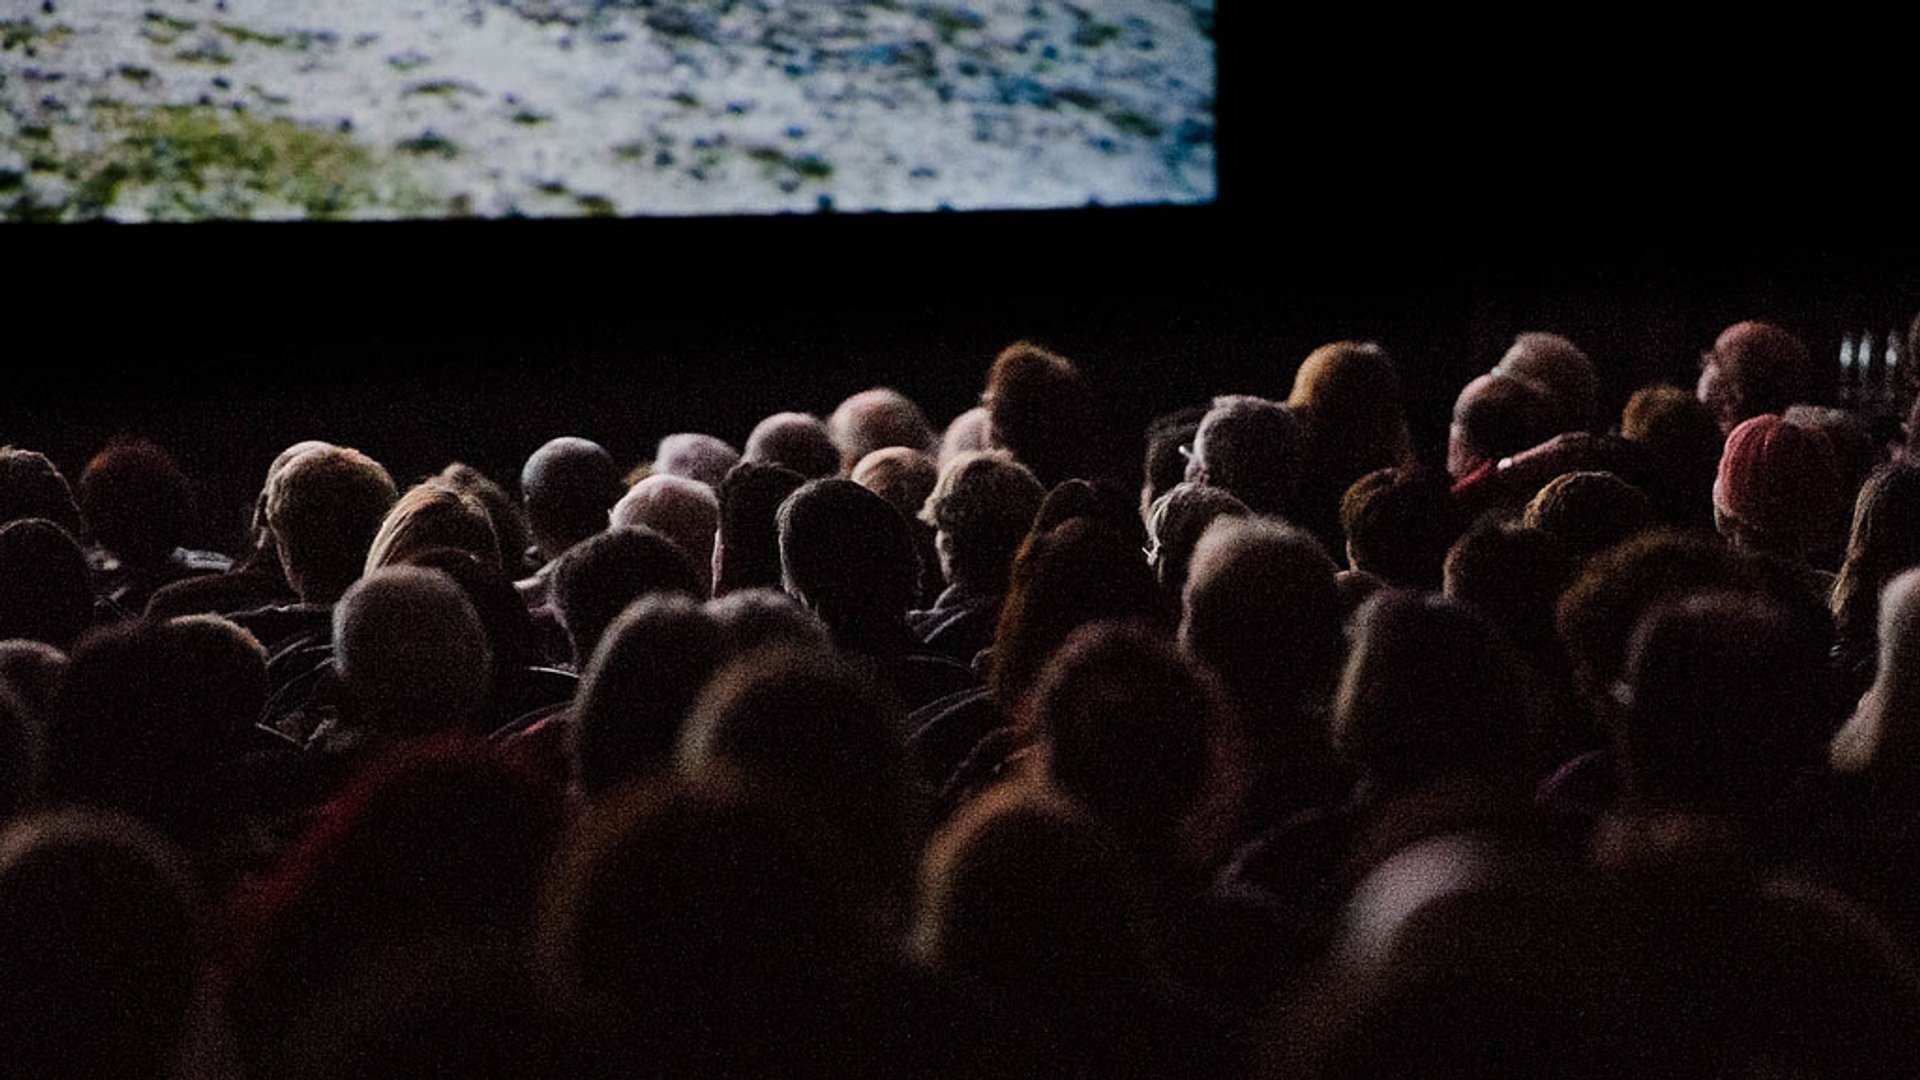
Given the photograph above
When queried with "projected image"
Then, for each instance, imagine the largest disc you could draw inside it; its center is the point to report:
(187, 110)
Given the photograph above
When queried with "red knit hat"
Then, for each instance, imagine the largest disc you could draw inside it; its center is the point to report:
(1781, 481)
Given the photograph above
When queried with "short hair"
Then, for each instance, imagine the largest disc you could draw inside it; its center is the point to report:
(1042, 410)
(324, 508)
(1754, 369)
(696, 456)
(1600, 608)
(756, 618)
(685, 511)
(1558, 367)
(794, 439)
(1348, 395)
(46, 593)
(749, 535)
(968, 431)
(1429, 688)
(876, 419)
(433, 514)
(598, 577)
(1513, 575)
(1684, 443)
(31, 486)
(899, 475)
(261, 530)
(847, 554)
(411, 651)
(984, 504)
(98, 972)
(1589, 511)
(508, 519)
(568, 485)
(1262, 609)
(636, 690)
(136, 501)
(1497, 416)
(1176, 522)
(229, 666)
(1399, 524)
(1254, 448)
(1169, 439)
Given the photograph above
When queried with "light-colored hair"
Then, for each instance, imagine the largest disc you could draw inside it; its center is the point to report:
(876, 419)
(325, 506)
(685, 511)
(696, 456)
(433, 514)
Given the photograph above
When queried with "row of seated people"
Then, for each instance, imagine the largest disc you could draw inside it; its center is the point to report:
(866, 750)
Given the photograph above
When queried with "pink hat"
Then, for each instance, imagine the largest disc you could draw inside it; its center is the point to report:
(1781, 481)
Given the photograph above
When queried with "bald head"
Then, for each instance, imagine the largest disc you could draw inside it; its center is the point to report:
(796, 440)
(685, 511)
(695, 456)
(411, 651)
(568, 485)
(969, 431)
(874, 420)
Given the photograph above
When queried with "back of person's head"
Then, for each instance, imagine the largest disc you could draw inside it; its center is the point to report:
(511, 635)
(1754, 369)
(136, 501)
(635, 693)
(229, 668)
(969, 431)
(433, 514)
(598, 577)
(1349, 395)
(755, 618)
(1135, 733)
(1251, 447)
(684, 511)
(1263, 611)
(1684, 443)
(847, 554)
(508, 519)
(876, 419)
(100, 946)
(1096, 500)
(1885, 541)
(711, 926)
(411, 652)
(1513, 575)
(1718, 709)
(1588, 511)
(1399, 524)
(796, 440)
(324, 508)
(1883, 735)
(1430, 688)
(901, 476)
(1599, 609)
(696, 456)
(1175, 523)
(1558, 367)
(1026, 890)
(1042, 410)
(1495, 417)
(1169, 441)
(823, 731)
(31, 486)
(981, 509)
(46, 594)
(1078, 572)
(23, 747)
(747, 546)
(1857, 449)
(568, 485)
(1778, 489)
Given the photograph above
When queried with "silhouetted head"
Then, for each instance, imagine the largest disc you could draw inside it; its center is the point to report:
(1169, 438)
(796, 440)
(229, 668)
(1600, 608)
(433, 514)
(1588, 511)
(1562, 371)
(598, 577)
(746, 552)
(1497, 416)
(696, 456)
(31, 486)
(568, 485)
(755, 618)
(847, 554)
(968, 431)
(509, 521)
(46, 593)
(901, 476)
(324, 507)
(876, 419)
(1254, 448)
(1175, 523)
(136, 501)
(1684, 443)
(636, 691)
(1885, 541)
(981, 510)
(1399, 524)
(1513, 575)
(1753, 369)
(684, 511)
(1042, 410)
(1348, 395)
(411, 652)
